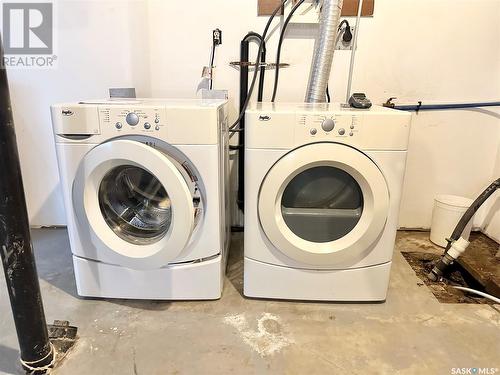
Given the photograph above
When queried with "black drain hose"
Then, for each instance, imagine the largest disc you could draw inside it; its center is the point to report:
(447, 260)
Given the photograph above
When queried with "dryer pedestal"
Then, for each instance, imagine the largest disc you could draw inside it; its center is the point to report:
(367, 284)
(189, 281)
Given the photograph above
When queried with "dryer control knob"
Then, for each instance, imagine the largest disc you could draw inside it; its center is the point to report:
(132, 119)
(328, 125)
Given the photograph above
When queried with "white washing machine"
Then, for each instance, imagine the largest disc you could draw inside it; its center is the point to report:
(322, 194)
(144, 185)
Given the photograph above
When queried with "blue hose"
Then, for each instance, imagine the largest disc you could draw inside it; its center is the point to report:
(437, 107)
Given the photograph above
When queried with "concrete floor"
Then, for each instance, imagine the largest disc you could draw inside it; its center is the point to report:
(411, 333)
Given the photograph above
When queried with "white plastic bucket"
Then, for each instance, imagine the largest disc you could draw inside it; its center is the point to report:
(448, 210)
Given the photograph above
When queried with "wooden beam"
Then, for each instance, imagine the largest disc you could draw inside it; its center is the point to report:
(350, 8)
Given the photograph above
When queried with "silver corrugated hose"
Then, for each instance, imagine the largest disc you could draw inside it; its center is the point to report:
(323, 54)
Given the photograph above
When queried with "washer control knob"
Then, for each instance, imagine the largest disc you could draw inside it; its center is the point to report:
(341, 131)
(147, 126)
(313, 131)
(118, 125)
(132, 119)
(328, 125)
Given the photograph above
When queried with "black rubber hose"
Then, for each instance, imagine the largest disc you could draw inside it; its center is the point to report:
(467, 216)
(232, 128)
(254, 35)
(280, 43)
(446, 260)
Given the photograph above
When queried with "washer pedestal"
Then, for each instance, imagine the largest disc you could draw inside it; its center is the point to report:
(189, 281)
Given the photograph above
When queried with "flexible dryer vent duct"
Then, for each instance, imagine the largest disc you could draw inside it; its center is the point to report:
(323, 54)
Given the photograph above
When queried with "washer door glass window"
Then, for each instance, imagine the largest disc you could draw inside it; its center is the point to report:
(322, 204)
(135, 205)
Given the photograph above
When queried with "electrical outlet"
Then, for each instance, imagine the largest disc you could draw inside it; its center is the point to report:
(341, 45)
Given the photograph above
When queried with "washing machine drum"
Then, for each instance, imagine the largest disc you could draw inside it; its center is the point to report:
(135, 204)
(323, 204)
(140, 204)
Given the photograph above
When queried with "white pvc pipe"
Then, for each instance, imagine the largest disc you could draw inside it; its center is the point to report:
(353, 53)
(482, 294)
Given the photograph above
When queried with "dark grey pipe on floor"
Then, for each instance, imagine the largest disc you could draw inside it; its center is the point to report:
(16, 249)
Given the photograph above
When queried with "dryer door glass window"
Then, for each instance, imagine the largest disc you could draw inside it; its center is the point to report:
(322, 204)
(135, 204)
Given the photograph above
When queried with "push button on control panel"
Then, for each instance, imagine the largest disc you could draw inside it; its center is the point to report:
(118, 125)
(147, 126)
(328, 125)
(313, 131)
(132, 119)
(342, 131)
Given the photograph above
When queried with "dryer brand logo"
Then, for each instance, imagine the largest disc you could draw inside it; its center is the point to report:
(67, 112)
(28, 34)
(264, 118)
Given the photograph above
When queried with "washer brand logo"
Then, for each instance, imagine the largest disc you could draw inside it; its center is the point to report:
(28, 31)
(67, 112)
(264, 118)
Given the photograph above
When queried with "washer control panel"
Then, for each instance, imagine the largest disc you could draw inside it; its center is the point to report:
(129, 120)
(328, 127)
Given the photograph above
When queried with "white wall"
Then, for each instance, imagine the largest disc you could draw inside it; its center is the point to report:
(415, 50)
(95, 44)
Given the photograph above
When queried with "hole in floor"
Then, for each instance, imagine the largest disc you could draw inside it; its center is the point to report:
(422, 263)
(478, 269)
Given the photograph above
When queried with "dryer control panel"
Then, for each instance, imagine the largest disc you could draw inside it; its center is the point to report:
(327, 127)
(290, 125)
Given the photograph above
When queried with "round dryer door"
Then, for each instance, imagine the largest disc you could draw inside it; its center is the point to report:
(323, 203)
(137, 203)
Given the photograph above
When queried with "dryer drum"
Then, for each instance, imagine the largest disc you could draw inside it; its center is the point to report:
(322, 204)
(135, 204)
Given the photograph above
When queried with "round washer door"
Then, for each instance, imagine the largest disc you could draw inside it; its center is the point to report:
(136, 202)
(323, 203)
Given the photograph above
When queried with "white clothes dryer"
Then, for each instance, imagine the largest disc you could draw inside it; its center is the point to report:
(323, 188)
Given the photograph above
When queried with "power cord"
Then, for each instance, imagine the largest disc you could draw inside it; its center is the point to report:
(347, 35)
(216, 41)
(257, 63)
(280, 43)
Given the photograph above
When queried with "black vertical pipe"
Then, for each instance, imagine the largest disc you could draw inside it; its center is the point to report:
(262, 74)
(244, 52)
(16, 249)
